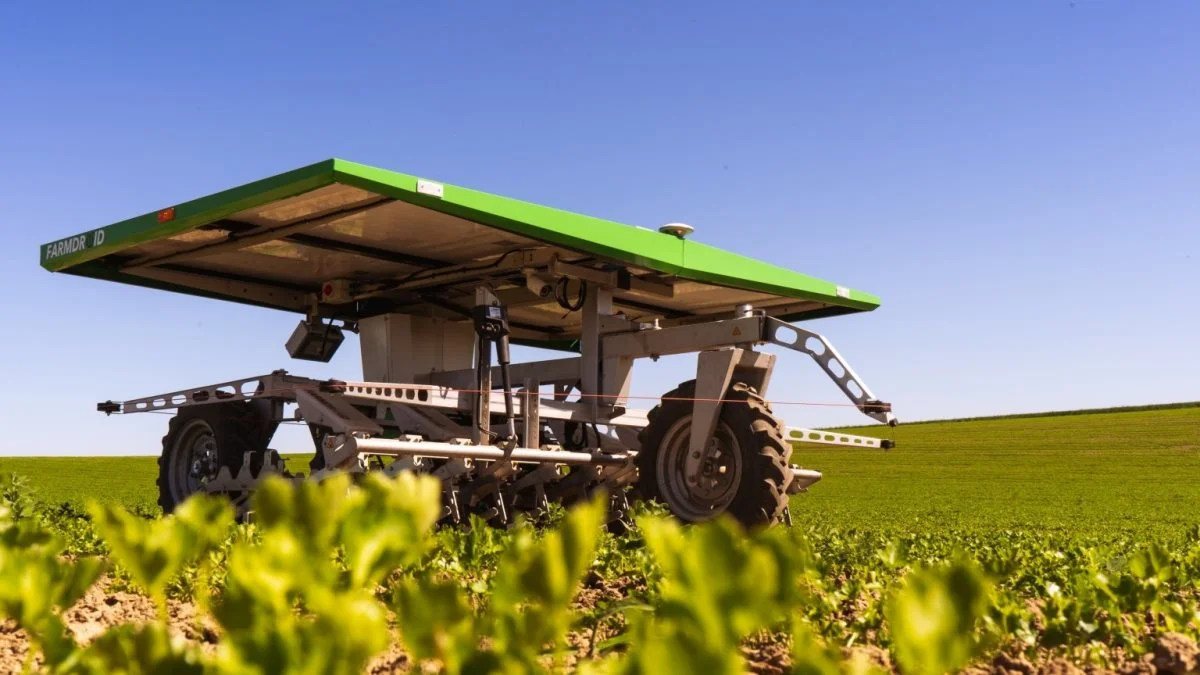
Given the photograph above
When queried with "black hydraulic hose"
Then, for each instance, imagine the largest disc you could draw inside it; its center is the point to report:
(505, 380)
(483, 353)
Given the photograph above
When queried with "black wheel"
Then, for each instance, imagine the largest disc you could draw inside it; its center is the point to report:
(744, 473)
(202, 439)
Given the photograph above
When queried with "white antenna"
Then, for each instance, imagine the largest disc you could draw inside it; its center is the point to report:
(680, 230)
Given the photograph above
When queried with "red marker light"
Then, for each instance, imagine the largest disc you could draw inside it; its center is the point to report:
(166, 215)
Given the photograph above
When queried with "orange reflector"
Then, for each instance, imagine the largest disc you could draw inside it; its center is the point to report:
(166, 215)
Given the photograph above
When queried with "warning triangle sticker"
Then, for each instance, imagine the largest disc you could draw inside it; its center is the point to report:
(736, 331)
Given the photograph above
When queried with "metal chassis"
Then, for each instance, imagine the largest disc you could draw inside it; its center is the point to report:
(610, 344)
(420, 416)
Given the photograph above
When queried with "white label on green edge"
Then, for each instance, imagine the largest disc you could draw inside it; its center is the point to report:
(843, 292)
(428, 187)
(71, 245)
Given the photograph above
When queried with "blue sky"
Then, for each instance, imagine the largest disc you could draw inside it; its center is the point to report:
(1017, 181)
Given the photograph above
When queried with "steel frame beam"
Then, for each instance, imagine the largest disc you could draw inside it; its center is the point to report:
(238, 227)
(334, 412)
(552, 371)
(827, 357)
(756, 329)
(613, 280)
(428, 399)
(414, 448)
(274, 384)
(684, 339)
(448, 399)
(259, 235)
(263, 291)
(819, 437)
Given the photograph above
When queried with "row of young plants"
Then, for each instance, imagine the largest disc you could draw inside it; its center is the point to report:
(328, 574)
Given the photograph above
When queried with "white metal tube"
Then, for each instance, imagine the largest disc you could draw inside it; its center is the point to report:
(802, 478)
(388, 446)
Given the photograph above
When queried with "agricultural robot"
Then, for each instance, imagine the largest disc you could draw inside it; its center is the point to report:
(438, 281)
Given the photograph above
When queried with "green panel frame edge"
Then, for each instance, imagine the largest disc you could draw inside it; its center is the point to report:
(191, 214)
(631, 245)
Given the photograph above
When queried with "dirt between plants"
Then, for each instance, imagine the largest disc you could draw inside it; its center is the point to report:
(98, 610)
(102, 608)
(1173, 654)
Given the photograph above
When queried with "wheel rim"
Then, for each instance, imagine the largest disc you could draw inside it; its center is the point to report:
(194, 460)
(719, 478)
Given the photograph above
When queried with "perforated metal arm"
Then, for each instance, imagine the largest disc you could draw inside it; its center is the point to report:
(822, 351)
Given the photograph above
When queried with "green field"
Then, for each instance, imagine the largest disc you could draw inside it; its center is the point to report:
(125, 480)
(1136, 470)
(1006, 540)
(1088, 473)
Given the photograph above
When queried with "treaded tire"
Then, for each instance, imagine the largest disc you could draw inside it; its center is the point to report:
(761, 492)
(236, 428)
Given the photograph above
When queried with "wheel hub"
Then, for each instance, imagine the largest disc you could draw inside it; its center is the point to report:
(710, 491)
(204, 459)
(715, 472)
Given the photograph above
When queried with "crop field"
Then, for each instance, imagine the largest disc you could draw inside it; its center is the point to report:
(1093, 473)
(1054, 543)
(1085, 473)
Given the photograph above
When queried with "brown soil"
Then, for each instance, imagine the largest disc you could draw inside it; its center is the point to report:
(102, 608)
(1176, 654)
(98, 610)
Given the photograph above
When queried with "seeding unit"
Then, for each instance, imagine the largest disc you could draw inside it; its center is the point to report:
(437, 280)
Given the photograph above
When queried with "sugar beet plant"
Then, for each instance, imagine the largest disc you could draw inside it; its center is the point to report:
(330, 573)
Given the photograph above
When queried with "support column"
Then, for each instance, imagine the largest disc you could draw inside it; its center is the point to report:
(714, 372)
(597, 303)
(530, 415)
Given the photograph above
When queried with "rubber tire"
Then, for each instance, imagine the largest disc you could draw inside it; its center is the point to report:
(237, 427)
(761, 497)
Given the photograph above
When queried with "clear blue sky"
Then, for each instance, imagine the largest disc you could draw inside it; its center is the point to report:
(1019, 181)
